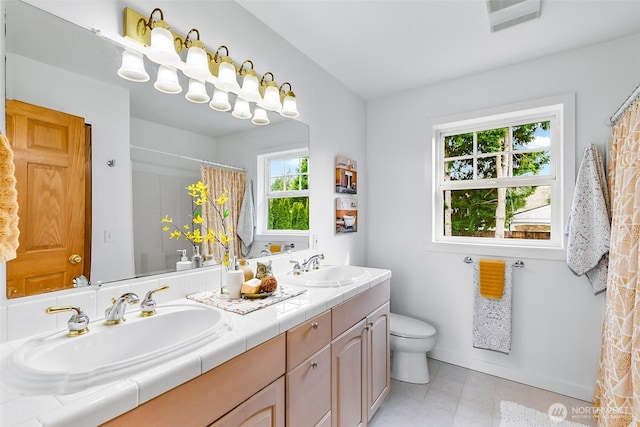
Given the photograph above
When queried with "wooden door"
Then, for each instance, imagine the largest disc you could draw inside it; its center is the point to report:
(348, 405)
(378, 366)
(50, 159)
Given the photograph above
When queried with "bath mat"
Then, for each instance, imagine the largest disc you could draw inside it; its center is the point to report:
(244, 306)
(515, 415)
(492, 317)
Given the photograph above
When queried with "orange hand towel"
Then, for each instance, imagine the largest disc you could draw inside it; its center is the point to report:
(491, 278)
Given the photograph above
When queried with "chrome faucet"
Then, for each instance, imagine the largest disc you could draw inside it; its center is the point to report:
(312, 262)
(115, 314)
(78, 324)
(148, 304)
(296, 267)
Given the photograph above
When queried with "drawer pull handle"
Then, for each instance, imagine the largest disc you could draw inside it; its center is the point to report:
(314, 326)
(314, 365)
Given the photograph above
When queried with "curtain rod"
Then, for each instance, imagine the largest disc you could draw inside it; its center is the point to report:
(627, 103)
(206, 162)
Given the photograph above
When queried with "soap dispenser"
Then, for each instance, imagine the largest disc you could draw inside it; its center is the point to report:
(184, 263)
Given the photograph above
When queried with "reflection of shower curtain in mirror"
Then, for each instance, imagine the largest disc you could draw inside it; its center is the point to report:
(217, 180)
(617, 395)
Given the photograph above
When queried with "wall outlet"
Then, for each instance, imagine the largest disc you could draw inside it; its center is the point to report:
(314, 241)
(108, 236)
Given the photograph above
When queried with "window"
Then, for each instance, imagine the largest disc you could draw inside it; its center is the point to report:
(498, 179)
(285, 192)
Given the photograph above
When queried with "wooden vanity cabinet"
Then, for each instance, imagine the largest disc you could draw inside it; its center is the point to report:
(308, 378)
(208, 397)
(360, 376)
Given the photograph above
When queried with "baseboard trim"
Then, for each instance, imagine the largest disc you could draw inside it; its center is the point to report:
(529, 378)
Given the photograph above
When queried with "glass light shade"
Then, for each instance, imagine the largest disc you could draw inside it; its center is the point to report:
(197, 66)
(167, 80)
(162, 50)
(197, 92)
(227, 78)
(250, 91)
(271, 99)
(132, 67)
(220, 100)
(260, 117)
(241, 110)
(289, 107)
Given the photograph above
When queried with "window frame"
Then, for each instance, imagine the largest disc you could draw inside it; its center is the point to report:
(560, 109)
(264, 193)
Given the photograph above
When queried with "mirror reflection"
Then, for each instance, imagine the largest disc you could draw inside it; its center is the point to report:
(141, 140)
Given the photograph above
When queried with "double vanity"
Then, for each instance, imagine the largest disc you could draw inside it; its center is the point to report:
(317, 359)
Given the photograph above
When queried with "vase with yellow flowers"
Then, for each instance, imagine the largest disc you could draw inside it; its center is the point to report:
(198, 232)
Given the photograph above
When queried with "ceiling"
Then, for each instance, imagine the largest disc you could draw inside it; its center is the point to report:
(380, 47)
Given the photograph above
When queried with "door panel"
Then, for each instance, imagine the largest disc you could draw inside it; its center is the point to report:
(49, 156)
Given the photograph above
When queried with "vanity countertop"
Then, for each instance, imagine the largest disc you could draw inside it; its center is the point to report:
(99, 404)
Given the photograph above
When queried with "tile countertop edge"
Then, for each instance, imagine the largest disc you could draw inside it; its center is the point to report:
(108, 401)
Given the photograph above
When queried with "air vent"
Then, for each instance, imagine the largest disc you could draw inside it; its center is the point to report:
(507, 13)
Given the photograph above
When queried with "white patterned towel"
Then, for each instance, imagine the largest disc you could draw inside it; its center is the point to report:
(492, 317)
(589, 226)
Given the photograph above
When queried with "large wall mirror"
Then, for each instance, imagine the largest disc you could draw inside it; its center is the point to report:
(139, 136)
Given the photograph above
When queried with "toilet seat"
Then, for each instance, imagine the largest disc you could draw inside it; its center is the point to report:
(407, 327)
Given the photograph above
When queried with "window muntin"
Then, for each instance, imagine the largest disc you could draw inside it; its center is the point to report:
(496, 180)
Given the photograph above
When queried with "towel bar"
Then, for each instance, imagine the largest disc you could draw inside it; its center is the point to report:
(516, 264)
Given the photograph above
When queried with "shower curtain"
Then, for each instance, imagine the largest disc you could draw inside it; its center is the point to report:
(217, 180)
(617, 394)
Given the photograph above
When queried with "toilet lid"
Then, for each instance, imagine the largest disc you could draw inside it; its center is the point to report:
(408, 327)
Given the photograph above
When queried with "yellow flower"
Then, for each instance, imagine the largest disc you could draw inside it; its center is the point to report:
(175, 235)
(223, 198)
(167, 219)
(198, 220)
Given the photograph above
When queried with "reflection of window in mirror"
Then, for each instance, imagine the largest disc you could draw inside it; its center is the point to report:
(283, 189)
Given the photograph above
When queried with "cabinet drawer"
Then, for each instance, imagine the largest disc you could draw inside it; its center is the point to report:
(357, 308)
(307, 338)
(309, 390)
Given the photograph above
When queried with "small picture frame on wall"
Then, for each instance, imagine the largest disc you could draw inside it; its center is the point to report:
(346, 175)
(346, 215)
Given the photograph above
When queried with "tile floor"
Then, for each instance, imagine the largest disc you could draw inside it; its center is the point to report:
(462, 397)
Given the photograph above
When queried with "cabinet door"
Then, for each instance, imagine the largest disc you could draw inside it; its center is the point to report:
(263, 409)
(348, 404)
(309, 390)
(379, 370)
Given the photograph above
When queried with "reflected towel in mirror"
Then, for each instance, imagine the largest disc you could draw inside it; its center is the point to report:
(8, 203)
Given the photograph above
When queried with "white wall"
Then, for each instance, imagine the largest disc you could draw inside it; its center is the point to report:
(557, 320)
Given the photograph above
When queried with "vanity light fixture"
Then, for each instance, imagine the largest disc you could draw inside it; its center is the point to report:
(260, 117)
(241, 109)
(197, 65)
(226, 72)
(250, 88)
(162, 49)
(154, 38)
(289, 106)
(197, 92)
(133, 67)
(220, 100)
(167, 81)
(270, 94)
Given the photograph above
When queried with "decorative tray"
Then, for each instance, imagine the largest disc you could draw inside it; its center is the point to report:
(259, 295)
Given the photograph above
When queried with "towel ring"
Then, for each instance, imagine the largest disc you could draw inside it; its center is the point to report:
(516, 264)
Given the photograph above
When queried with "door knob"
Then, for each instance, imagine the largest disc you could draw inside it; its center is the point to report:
(75, 259)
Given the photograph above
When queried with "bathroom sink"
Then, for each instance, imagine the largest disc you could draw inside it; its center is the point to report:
(327, 276)
(58, 364)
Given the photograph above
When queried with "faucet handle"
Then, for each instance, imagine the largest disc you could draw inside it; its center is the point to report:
(296, 268)
(148, 304)
(78, 322)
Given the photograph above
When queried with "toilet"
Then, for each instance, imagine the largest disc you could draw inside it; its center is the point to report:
(410, 339)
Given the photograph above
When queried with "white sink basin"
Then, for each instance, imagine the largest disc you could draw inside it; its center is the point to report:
(327, 276)
(58, 364)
